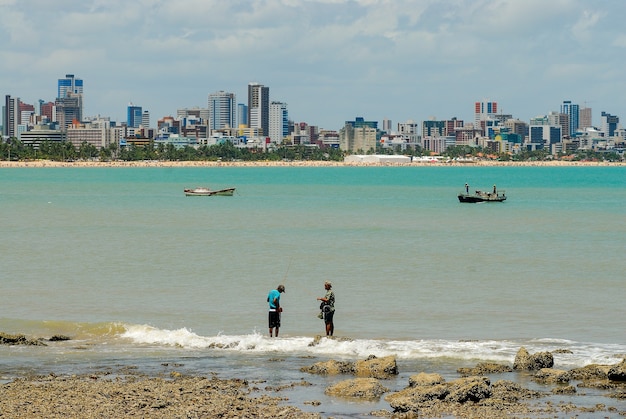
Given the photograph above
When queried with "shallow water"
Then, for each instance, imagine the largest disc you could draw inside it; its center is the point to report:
(138, 274)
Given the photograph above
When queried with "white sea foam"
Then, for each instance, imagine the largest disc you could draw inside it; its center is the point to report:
(567, 353)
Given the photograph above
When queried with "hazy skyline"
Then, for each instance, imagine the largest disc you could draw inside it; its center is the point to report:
(329, 60)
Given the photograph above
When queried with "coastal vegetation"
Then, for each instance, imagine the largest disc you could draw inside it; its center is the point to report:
(15, 150)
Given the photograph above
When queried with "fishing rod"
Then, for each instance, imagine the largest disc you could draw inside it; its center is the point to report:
(288, 267)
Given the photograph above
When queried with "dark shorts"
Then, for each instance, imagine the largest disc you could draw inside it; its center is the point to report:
(328, 317)
(274, 319)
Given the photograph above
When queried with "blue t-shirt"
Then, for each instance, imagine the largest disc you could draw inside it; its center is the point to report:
(274, 294)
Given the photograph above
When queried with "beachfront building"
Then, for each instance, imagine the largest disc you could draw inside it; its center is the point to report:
(376, 159)
(41, 134)
(99, 133)
(328, 138)
(438, 144)
(303, 134)
(259, 107)
(358, 135)
(278, 122)
(222, 110)
(178, 141)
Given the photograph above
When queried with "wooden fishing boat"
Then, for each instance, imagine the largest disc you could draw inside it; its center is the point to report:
(203, 191)
(480, 196)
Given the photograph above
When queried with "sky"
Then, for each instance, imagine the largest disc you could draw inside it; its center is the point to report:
(329, 60)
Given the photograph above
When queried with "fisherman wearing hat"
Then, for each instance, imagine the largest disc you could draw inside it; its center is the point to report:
(328, 308)
(275, 309)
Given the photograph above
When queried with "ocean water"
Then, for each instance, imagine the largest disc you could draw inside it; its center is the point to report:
(138, 274)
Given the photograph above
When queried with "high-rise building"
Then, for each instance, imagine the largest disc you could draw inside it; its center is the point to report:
(69, 110)
(387, 125)
(279, 122)
(572, 111)
(145, 119)
(433, 128)
(69, 102)
(484, 110)
(222, 110)
(46, 109)
(562, 120)
(544, 135)
(358, 135)
(259, 107)
(69, 86)
(134, 116)
(242, 114)
(608, 124)
(10, 116)
(584, 118)
(27, 111)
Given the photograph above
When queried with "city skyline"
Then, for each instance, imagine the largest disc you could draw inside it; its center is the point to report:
(330, 61)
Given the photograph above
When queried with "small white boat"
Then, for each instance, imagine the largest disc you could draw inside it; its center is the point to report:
(202, 191)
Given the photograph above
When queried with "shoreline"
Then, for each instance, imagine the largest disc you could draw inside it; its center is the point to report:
(530, 387)
(151, 163)
(126, 392)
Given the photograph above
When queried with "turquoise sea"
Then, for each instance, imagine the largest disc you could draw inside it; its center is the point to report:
(138, 274)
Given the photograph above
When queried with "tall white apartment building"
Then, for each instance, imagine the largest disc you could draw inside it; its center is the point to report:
(259, 107)
(278, 122)
(222, 110)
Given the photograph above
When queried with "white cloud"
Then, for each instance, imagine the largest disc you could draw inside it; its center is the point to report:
(329, 59)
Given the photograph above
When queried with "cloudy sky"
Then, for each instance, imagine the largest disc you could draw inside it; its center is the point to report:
(329, 60)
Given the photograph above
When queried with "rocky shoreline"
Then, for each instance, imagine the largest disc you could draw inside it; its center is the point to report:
(477, 393)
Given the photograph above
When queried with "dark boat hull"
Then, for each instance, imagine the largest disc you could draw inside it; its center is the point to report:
(472, 199)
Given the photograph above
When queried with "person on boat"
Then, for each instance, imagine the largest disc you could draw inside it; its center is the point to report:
(466, 188)
(328, 308)
(273, 298)
(494, 190)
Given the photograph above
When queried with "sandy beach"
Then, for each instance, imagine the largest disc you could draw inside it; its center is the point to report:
(154, 163)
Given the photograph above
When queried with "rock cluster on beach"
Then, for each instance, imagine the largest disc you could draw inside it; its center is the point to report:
(474, 394)
(127, 393)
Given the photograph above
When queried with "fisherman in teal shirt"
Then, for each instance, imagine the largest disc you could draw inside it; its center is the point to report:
(273, 298)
